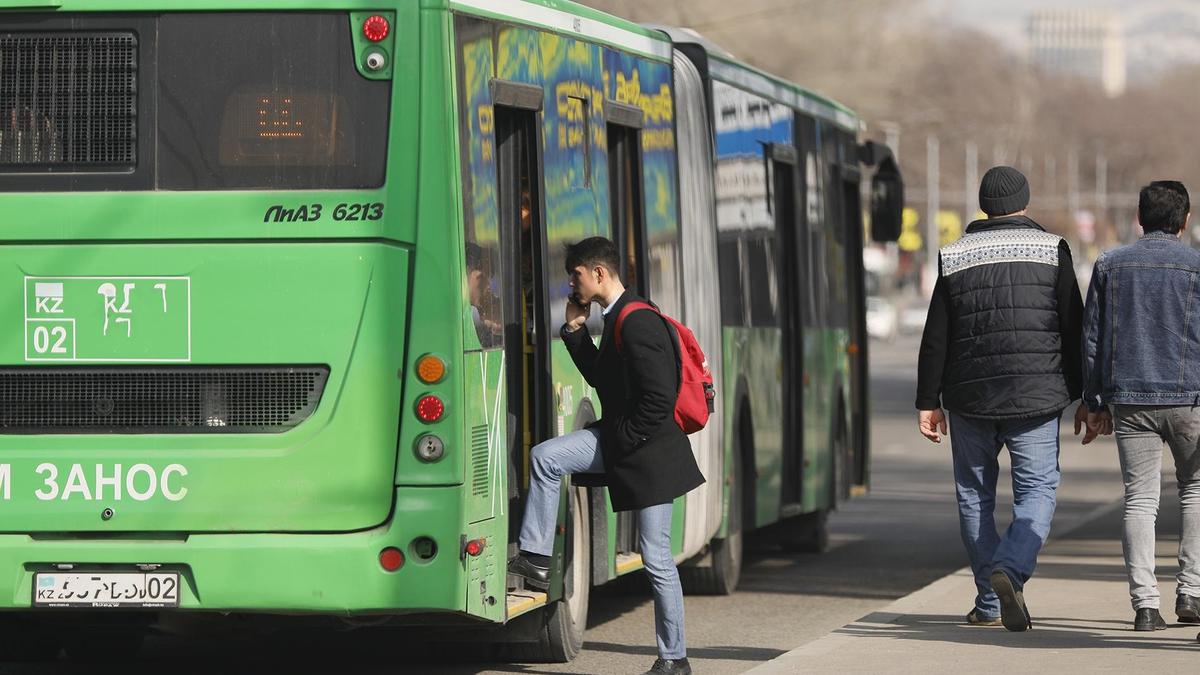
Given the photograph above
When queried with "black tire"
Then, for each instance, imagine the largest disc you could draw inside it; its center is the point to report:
(23, 640)
(723, 568)
(561, 637)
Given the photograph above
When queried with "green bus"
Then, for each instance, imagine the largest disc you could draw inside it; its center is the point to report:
(291, 272)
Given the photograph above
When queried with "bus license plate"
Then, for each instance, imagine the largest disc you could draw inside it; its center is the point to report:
(106, 589)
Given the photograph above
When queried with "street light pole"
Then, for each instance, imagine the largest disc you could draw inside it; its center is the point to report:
(971, 182)
(932, 205)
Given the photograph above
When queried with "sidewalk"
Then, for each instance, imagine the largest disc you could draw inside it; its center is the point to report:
(1078, 598)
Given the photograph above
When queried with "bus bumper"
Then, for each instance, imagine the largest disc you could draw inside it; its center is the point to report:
(280, 573)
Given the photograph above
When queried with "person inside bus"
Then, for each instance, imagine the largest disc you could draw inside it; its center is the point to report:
(645, 458)
(484, 304)
(1001, 351)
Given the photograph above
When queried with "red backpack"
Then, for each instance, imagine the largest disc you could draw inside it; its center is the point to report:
(694, 403)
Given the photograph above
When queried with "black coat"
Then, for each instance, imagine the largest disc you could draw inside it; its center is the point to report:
(1003, 335)
(647, 458)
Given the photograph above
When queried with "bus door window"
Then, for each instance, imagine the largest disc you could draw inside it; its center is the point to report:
(526, 346)
(626, 204)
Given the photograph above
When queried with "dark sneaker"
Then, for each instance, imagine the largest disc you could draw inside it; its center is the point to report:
(671, 667)
(977, 619)
(534, 575)
(1187, 608)
(1013, 612)
(1148, 619)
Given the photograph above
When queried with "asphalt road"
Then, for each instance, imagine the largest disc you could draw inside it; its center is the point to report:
(900, 537)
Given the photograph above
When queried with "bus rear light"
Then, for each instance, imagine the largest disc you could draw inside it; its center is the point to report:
(391, 559)
(376, 28)
(430, 369)
(474, 548)
(430, 409)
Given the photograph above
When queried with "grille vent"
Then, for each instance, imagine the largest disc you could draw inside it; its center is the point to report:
(479, 461)
(158, 400)
(68, 100)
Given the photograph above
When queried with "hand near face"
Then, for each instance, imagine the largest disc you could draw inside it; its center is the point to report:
(577, 314)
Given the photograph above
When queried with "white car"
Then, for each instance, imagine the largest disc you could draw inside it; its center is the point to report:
(882, 318)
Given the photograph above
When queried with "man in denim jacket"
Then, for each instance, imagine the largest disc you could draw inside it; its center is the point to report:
(1141, 351)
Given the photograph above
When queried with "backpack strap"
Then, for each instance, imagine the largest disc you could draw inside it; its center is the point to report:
(625, 311)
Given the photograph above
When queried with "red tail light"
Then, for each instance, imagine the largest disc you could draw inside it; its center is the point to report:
(376, 28)
(391, 559)
(430, 409)
(475, 547)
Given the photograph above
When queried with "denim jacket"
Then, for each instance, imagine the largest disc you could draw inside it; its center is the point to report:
(1141, 325)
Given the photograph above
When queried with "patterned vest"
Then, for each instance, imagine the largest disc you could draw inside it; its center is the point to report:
(1004, 356)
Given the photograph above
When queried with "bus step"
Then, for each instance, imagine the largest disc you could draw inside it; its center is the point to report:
(628, 562)
(522, 601)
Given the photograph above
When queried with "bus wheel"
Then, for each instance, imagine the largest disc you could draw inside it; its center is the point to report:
(22, 641)
(567, 618)
(561, 637)
(722, 568)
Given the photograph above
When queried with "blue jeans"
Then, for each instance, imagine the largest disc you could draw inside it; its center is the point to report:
(1033, 449)
(579, 452)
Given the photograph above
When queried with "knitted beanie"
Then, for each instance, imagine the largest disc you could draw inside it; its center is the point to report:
(1002, 191)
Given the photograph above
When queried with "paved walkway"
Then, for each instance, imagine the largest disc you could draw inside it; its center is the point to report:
(1079, 601)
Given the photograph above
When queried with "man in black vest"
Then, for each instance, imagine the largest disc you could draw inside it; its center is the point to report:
(1001, 352)
(646, 459)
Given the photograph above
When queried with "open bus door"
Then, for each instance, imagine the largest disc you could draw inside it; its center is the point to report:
(527, 371)
(554, 632)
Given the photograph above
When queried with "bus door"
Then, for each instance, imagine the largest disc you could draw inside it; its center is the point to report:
(790, 263)
(627, 213)
(526, 321)
(858, 444)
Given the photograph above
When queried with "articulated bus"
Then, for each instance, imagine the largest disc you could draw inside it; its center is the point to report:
(290, 276)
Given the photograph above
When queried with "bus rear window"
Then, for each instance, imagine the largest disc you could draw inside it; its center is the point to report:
(266, 100)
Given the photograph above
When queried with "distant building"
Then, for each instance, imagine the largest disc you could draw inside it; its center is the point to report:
(1084, 43)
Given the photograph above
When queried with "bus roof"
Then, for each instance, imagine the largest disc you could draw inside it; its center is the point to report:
(726, 69)
(573, 19)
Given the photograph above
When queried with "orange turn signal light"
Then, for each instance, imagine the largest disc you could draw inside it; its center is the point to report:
(431, 369)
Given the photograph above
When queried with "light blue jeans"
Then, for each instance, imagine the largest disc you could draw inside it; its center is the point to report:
(1141, 431)
(579, 452)
(1033, 450)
